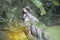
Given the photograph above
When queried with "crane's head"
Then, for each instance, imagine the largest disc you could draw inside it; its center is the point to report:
(25, 12)
(25, 9)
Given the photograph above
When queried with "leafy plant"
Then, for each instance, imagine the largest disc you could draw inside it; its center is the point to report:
(40, 6)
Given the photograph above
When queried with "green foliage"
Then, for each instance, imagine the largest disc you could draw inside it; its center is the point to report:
(13, 7)
(40, 25)
(55, 2)
(40, 6)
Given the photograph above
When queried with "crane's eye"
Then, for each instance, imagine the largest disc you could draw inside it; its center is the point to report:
(27, 9)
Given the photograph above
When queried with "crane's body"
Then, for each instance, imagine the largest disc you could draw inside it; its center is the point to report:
(29, 21)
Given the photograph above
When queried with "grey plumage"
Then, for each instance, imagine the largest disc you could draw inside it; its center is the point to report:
(37, 33)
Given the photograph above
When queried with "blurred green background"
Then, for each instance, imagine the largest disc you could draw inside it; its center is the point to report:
(54, 32)
(46, 11)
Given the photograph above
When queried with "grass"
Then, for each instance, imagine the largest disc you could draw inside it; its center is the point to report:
(54, 32)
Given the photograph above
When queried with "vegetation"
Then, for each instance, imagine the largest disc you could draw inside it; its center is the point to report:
(54, 33)
(47, 12)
